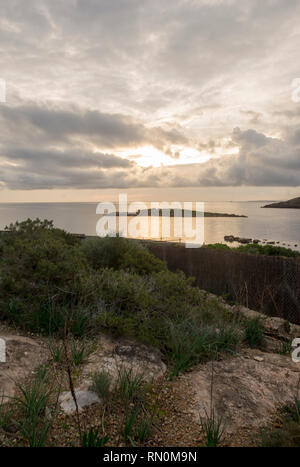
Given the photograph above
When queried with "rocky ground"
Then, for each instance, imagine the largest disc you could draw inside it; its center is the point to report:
(245, 388)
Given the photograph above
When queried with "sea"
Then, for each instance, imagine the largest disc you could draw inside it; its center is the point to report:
(281, 226)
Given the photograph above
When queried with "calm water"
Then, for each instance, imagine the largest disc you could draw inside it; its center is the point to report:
(280, 225)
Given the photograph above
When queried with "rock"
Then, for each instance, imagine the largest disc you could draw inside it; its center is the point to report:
(84, 398)
(273, 325)
(229, 238)
(23, 355)
(48, 414)
(258, 359)
(247, 313)
(246, 391)
(256, 241)
(245, 240)
(113, 355)
(11, 428)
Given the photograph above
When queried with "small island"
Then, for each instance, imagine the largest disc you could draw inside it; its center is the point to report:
(290, 204)
(172, 213)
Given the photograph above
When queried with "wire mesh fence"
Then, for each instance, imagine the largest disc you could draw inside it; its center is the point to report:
(263, 283)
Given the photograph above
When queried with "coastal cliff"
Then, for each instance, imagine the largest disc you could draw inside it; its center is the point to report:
(290, 204)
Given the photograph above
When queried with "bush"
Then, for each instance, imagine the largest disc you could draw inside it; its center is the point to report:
(287, 434)
(165, 310)
(91, 439)
(80, 351)
(218, 246)
(291, 410)
(213, 427)
(268, 250)
(42, 269)
(31, 404)
(190, 344)
(284, 348)
(143, 428)
(131, 417)
(254, 332)
(56, 351)
(101, 382)
(130, 384)
(5, 415)
(256, 249)
(50, 282)
(120, 253)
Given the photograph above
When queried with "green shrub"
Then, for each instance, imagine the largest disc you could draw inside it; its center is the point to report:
(190, 344)
(41, 270)
(101, 382)
(254, 332)
(56, 349)
(284, 348)
(165, 310)
(31, 404)
(91, 439)
(291, 410)
(80, 351)
(50, 282)
(269, 250)
(131, 416)
(42, 373)
(5, 415)
(130, 384)
(256, 249)
(213, 427)
(143, 428)
(218, 246)
(288, 435)
(120, 253)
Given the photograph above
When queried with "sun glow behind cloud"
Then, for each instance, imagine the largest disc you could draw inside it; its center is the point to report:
(149, 156)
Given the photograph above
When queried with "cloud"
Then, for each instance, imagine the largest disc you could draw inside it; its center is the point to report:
(91, 79)
(261, 161)
(50, 124)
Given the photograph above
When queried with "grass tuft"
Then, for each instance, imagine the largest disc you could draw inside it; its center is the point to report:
(91, 439)
(31, 404)
(254, 332)
(101, 382)
(130, 384)
(213, 427)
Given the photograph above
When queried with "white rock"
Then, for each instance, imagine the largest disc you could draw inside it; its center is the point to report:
(258, 359)
(84, 399)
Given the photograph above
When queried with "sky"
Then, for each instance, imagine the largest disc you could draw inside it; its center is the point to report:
(176, 99)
